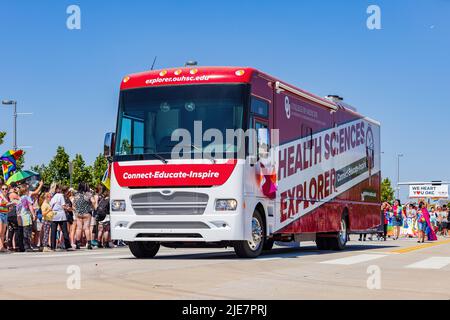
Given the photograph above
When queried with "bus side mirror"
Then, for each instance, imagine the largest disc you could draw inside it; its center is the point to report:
(108, 147)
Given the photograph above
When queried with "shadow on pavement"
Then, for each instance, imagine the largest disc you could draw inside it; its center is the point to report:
(276, 253)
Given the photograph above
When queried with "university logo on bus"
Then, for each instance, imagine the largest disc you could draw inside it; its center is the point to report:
(287, 107)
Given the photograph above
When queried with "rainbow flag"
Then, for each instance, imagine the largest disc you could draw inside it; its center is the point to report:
(9, 162)
(106, 180)
(11, 155)
(8, 168)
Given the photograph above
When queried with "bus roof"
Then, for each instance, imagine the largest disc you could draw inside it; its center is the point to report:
(204, 75)
(187, 75)
(210, 75)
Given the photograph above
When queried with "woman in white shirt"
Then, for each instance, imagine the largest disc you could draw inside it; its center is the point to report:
(59, 219)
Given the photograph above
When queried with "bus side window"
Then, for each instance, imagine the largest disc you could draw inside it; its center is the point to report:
(259, 109)
(263, 139)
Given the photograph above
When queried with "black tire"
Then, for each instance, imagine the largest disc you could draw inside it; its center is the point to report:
(144, 249)
(322, 243)
(339, 241)
(243, 248)
(268, 244)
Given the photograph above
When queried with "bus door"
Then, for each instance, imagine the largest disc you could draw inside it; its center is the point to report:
(259, 145)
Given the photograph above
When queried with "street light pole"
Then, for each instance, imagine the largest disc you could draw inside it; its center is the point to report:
(15, 115)
(15, 126)
(398, 174)
(13, 103)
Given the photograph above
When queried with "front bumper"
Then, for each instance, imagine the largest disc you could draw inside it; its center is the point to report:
(209, 227)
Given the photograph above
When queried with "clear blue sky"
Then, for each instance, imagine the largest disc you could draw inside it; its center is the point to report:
(69, 79)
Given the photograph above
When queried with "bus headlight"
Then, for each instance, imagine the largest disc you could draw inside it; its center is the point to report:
(226, 204)
(118, 205)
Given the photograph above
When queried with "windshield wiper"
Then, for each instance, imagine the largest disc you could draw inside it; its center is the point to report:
(164, 160)
(157, 156)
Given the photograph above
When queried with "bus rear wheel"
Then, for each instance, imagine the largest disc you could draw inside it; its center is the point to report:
(254, 247)
(339, 242)
(144, 249)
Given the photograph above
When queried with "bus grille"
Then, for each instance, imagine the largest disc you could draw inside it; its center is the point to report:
(176, 203)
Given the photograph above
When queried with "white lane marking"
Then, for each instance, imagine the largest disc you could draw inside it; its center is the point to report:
(354, 259)
(431, 263)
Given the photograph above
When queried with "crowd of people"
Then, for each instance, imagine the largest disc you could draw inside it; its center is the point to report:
(413, 220)
(47, 218)
(56, 217)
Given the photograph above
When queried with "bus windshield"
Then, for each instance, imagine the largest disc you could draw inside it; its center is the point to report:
(148, 118)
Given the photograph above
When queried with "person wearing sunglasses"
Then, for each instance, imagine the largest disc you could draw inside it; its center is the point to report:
(4, 209)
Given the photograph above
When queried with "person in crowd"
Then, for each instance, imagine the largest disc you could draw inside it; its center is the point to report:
(409, 224)
(385, 209)
(434, 212)
(68, 208)
(4, 209)
(443, 217)
(421, 222)
(427, 229)
(73, 228)
(15, 238)
(103, 219)
(397, 215)
(25, 217)
(37, 223)
(84, 204)
(57, 204)
(47, 218)
(94, 221)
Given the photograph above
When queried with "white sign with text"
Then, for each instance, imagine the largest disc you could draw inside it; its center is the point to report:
(428, 191)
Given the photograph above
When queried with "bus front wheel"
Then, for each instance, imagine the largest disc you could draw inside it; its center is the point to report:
(144, 249)
(253, 247)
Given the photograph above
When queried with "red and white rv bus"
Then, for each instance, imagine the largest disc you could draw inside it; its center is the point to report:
(321, 182)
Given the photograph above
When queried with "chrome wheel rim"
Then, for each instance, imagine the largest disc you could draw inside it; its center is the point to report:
(343, 232)
(257, 235)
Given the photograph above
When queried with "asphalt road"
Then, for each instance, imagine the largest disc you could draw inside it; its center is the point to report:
(400, 269)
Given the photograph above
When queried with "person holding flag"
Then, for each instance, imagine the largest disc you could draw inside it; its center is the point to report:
(424, 224)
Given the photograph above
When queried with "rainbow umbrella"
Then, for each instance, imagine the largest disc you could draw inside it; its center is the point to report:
(20, 176)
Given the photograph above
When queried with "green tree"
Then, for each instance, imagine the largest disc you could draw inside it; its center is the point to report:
(58, 168)
(387, 192)
(98, 169)
(81, 172)
(44, 172)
